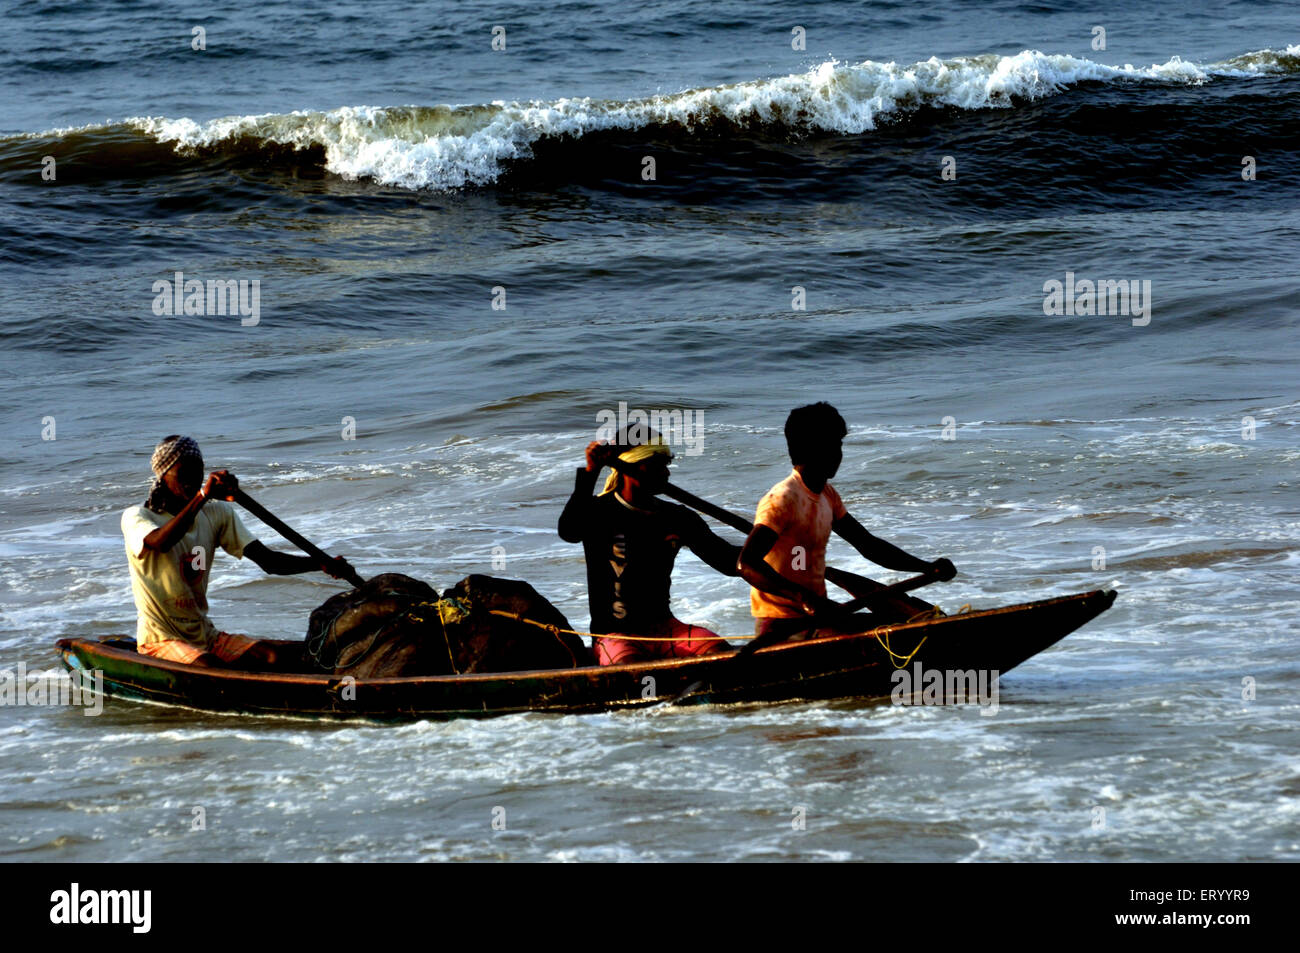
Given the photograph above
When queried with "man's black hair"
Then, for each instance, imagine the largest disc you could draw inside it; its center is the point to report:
(808, 429)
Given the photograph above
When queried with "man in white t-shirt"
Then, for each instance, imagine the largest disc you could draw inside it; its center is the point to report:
(171, 541)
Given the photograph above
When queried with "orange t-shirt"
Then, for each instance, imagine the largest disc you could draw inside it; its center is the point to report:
(802, 521)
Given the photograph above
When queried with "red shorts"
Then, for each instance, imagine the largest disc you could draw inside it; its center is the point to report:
(683, 641)
(226, 646)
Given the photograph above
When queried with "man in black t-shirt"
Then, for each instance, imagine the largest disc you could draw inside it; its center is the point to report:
(631, 539)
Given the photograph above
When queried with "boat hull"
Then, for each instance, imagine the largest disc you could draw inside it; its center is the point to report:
(995, 640)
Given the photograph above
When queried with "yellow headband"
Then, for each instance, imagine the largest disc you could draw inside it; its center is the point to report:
(635, 454)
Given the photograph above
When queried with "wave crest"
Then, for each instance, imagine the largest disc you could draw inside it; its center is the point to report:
(454, 147)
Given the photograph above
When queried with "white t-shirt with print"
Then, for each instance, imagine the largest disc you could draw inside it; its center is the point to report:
(171, 588)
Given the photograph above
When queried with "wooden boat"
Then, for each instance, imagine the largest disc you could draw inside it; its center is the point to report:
(995, 640)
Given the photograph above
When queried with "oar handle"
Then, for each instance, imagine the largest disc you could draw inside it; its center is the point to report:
(841, 610)
(843, 578)
(731, 519)
(881, 594)
(694, 502)
(289, 533)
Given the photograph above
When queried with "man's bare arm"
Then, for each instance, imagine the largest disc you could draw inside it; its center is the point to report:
(219, 485)
(887, 554)
(278, 564)
(287, 564)
(169, 534)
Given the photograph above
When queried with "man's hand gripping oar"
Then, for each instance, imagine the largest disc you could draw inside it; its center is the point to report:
(224, 486)
(851, 582)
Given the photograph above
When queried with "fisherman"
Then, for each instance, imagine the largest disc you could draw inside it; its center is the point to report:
(792, 527)
(630, 539)
(171, 541)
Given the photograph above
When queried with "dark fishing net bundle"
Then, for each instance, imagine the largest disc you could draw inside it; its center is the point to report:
(397, 625)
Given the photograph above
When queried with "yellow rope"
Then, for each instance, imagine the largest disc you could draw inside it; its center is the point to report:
(934, 613)
(883, 639)
(554, 629)
(883, 633)
(451, 656)
(449, 613)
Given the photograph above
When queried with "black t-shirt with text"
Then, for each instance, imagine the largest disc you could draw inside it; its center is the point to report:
(630, 554)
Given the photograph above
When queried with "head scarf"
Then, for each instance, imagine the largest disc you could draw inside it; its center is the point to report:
(654, 446)
(170, 451)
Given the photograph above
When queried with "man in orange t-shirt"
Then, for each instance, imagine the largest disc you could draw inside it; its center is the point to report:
(793, 525)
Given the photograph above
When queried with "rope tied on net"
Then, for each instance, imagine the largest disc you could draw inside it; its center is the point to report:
(550, 627)
(452, 611)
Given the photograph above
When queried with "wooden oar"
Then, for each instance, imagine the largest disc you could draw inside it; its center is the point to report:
(288, 532)
(880, 596)
(842, 578)
(813, 622)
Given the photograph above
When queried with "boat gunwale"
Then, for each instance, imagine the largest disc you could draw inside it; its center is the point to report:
(102, 646)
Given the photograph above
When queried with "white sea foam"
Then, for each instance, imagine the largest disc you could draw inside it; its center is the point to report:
(451, 147)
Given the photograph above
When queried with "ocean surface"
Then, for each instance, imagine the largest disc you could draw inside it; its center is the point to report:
(640, 190)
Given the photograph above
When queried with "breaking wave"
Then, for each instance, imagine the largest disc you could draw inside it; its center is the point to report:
(454, 147)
